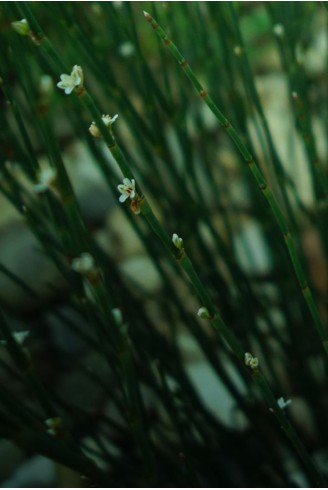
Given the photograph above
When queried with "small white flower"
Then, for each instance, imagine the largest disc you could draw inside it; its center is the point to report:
(127, 189)
(254, 363)
(177, 241)
(69, 82)
(278, 30)
(18, 336)
(83, 264)
(21, 27)
(203, 313)
(46, 178)
(282, 403)
(107, 120)
(251, 361)
(248, 358)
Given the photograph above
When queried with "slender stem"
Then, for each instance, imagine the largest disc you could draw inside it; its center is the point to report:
(22, 360)
(231, 339)
(258, 176)
(62, 453)
(248, 80)
(309, 143)
(184, 260)
(102, 297)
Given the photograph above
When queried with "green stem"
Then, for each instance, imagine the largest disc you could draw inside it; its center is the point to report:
(100, 291)
(217, 321)
(56, 450)
(258, 378)
(22, 360)
(257, 174)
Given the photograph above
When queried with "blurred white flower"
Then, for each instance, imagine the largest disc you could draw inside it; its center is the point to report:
(251, 361)
(278, 30)
(46, 179)
(46, 86)
(126, 49)
(238, 50)
(282, 403)
(83, 264)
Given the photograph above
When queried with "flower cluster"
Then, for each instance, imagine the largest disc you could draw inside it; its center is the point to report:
(73, 81)
(251, 361)
(107, 120)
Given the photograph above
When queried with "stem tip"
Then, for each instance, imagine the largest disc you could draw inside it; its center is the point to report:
(147, 15)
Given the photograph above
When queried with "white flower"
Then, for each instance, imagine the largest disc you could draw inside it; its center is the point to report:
(18, 336)
(248, 357)
(251, 361)
(126, 49)
(177, 241)
(203, 313)
(46, 86)
(46, 178)
(21, 27)
(282, 404)
(69, 82)
(278, 30)
(254, 363)
(127, 189)
(107, 120)
(83, 264)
